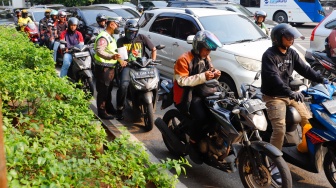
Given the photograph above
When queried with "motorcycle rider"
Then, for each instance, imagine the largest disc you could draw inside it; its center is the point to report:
(24, 20)
(43, 24)
(191, 69)
(72, 38)
(16, 18)
(101, 20)
(140, 9)
(61, 26)
(135, 44)
(259, 17)
(106, 59)
(278, 64)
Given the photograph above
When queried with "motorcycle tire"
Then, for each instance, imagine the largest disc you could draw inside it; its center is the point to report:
(250, 181)
(329, 165)
(173, 119)
(148, 116)
(88, 86)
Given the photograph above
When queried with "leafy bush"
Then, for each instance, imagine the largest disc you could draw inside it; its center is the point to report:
(52, 138)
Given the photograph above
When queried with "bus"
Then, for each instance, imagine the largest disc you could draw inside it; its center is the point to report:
(287, 11)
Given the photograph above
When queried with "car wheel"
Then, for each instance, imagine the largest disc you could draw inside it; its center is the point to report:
(281, 17)
(228, 85)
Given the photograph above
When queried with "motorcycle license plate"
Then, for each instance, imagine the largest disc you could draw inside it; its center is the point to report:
(82, 54)
(330, 106)
(254, 105)
(144, 74)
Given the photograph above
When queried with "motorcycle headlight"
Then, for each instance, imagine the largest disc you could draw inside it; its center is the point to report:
(249, 64)
(259, 121)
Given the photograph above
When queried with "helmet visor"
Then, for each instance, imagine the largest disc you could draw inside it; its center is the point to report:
(212, 42)
(292, 33)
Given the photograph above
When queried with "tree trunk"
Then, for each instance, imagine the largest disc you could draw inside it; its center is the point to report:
(3, 176)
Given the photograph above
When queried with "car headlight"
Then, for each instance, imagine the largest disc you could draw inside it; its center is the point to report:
(249, 64)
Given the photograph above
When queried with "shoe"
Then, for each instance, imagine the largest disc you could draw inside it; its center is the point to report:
(119, 115)
(194, 153)
(111, 110)
(276, 176)
(105, 116)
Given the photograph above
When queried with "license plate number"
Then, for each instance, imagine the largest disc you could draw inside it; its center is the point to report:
(144, 74)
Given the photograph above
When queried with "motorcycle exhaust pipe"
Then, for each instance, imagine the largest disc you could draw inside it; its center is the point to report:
(169, 135)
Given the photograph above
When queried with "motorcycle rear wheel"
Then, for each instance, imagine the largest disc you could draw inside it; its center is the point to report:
(329, 165)
(173, 119)
(250, 181)
(148, 116)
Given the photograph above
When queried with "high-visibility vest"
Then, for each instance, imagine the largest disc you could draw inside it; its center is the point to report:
(111, 48)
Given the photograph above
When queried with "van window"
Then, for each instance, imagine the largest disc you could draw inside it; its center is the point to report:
(162, 25)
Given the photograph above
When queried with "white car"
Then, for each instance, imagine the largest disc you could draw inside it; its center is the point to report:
(319, 34)
(126, 12)
(243, 42)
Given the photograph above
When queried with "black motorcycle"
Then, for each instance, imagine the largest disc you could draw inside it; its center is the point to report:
(227, 144)
(324, 65)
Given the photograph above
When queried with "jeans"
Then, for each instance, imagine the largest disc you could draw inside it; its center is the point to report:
(55, 48)
(122, 90)
(67, 59)
(276, 112)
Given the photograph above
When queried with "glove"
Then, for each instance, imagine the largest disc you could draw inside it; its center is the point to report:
(298, 96)
(325, 81)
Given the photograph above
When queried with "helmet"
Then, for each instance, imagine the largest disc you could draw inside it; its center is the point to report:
(205, 39)
(24, 13)
(131, 27)
(140, 8)
(286, 30)
(100, 17)
(73, 21)
(54, 13)
(259, 13)
(61, 13)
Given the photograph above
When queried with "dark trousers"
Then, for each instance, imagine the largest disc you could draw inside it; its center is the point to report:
(122, 90)
(104, 86)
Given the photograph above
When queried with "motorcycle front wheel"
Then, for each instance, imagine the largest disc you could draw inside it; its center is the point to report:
(148, 116)
(173, 119)
(88, 86)
(263, 176)
(329, 165)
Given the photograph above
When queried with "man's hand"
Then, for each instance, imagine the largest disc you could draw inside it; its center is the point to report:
(209, 75)
(217, 73)
(116, 56)
(123, 63)
(298, 96)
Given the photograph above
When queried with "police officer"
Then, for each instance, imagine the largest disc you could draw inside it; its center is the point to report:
(106, 59)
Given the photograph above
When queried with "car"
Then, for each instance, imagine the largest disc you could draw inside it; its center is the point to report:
(319, 34)
(151, 4)
(87, 18)
(6, 17)
(243, 42)
(126, 12)
(188, 3)
(36, 14)
(49, 6)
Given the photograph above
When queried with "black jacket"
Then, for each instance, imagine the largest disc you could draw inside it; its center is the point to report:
(276, 69)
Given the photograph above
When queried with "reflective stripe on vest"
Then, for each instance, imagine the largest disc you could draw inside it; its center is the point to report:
(111, 48)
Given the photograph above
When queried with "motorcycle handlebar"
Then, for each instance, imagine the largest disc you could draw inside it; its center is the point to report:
(215, 97)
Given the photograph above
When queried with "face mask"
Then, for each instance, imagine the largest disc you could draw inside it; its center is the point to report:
(116, 30)
(131, 36)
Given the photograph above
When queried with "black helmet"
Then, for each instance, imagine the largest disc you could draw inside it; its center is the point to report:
(131, 28)
(205, 39)
(286, 30)
(100, 17)
(259, 13)
(73, 21)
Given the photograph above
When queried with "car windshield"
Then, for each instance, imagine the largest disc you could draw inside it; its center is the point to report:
(90, 15)
(38, 16)
(126, 13)
(233, 28)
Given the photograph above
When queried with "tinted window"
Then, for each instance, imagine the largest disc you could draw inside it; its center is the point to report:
(184, 28)
(331, 24)
(90, 15)
(231, 28)
(162, 25)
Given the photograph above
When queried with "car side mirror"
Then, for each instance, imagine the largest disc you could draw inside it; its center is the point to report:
(190, 39)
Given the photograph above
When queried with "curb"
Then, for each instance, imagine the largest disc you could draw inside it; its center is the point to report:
(112, 128)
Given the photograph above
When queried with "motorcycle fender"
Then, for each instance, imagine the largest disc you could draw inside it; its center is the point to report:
(147, 97)
(265, 147)
(88, 73)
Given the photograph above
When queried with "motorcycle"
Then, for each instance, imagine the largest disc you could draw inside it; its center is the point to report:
(321, 138)
(324, 65)
(227, 145)
(143, 88)
(32, 30)
(80, 68)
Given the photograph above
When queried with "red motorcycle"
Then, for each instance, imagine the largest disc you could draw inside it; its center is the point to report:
(33, 33)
